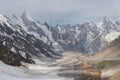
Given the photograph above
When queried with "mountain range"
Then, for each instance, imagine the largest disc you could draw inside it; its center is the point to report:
(29, 38)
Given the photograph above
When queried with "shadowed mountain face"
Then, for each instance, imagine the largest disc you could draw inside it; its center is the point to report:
(11, 58)
(20, 42)
(85, 38)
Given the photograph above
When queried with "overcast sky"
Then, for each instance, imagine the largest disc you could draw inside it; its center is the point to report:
(62, 11)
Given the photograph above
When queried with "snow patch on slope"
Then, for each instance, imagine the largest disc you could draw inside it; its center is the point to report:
(47, 32)
(13, 49)
(4, 20)
(29, 17)
(112, 36)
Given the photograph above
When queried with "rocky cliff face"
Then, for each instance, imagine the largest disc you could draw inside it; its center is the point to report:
(23, 43)
(11, 58)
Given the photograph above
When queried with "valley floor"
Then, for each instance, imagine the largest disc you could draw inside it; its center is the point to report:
(21, 73)
(67, 68)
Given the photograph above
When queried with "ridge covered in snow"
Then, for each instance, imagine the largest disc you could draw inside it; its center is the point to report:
(88, 37)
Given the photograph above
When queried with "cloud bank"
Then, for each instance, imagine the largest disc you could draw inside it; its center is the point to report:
(62, 11)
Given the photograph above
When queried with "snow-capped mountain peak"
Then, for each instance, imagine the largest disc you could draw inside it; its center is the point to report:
(14, 17)
(106, 19)
(108, 22)
(26, 15)
(90, 23)
(109, 25)
(3, 20)
(27, 20)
